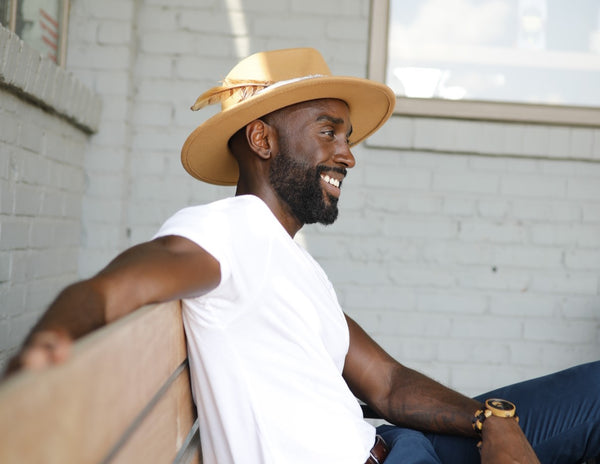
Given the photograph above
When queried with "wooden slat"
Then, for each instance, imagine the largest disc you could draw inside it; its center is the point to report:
(164, 429)
(77, 411)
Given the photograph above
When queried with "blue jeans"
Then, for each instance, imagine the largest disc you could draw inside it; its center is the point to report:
(559, 414)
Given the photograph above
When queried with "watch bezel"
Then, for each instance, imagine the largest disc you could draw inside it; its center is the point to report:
(500, 407)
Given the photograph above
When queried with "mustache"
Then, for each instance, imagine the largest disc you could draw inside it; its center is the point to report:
(337, 169)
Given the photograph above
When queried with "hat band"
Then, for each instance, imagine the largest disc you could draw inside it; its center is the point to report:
(288, 81)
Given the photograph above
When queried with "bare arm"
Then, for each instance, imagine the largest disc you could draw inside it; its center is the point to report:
(401, 395)
(163, 269)
(407, 398)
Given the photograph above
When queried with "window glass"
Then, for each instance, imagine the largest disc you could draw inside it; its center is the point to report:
(38, 24)
(524, 51)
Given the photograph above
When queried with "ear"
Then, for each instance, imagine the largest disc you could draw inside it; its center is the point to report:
(260, 137)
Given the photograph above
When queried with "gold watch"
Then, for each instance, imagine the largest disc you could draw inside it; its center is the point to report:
(494, 407)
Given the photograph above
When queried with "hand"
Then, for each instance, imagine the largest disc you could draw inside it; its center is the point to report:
(503, 442)
(42, 349)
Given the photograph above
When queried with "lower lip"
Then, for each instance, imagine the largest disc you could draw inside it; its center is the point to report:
(331, 189)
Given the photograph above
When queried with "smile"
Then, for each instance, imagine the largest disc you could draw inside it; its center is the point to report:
(331, 180)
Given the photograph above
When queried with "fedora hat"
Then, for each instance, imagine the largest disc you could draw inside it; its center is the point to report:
(268, 81)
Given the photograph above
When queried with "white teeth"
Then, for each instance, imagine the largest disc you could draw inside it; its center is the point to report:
(331, 180)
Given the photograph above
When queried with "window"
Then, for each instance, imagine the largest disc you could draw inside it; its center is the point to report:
(40, 23)
(523, 60)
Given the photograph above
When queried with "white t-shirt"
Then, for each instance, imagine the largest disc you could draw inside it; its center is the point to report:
(267, 346)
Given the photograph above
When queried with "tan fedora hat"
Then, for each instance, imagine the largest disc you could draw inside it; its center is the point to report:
(268, 81)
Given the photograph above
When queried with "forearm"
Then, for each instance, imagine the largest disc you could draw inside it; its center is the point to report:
(418, 402)
(78, 310)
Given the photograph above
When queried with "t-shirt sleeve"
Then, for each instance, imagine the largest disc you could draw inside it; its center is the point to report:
(208, 229)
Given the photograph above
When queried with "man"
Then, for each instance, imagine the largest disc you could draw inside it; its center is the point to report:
(276, 365)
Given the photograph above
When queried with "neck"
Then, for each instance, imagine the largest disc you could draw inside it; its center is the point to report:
(278, 207)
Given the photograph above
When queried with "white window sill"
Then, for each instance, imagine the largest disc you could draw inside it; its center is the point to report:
(26, 73)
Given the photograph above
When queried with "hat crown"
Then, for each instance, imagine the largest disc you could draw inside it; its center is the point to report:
(274, 67)
(280, 65)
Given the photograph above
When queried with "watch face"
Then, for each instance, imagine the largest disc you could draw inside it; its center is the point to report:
(502, 405)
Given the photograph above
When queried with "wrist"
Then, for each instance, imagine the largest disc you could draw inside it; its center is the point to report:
(494, 407)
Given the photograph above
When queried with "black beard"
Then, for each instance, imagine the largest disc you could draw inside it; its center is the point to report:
(299, 185)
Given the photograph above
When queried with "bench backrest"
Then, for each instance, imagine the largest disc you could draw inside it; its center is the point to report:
(123, 397)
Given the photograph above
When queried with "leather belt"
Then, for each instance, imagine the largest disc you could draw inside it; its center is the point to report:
(379, 451)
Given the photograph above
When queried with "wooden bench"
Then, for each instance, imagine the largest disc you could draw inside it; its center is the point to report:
(123, 397)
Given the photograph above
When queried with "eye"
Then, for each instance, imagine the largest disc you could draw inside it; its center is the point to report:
(328, 132)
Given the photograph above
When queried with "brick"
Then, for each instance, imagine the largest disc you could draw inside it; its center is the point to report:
(571, 283)
(112, 83)
(584, 189)
(529, 257)
(581, 143)
(153, 114)
(397, 132)
(583, 259)
(419, 228)
(339, 8)
(468, 183)
(14, 233)
(493, 208)
(110, 9)
(7, 197)
(524, 305)
(288, 27)
(566, 331)
(9, 128)
(563, 234)
(580, 307)
(114, 33)
(536, 140)
(413, 179)
(484, 278)
(470, 327)
(534, 186)
(28, 200)
(591, 212)
(545, 209)
(347, 29)
(501, 232)
(448, 303)
(558, 141)
(214, 22)
(459, 206)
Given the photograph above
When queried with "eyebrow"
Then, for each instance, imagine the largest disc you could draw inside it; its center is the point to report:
(333, 120)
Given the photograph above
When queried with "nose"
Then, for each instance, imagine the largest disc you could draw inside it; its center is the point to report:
(344, 156)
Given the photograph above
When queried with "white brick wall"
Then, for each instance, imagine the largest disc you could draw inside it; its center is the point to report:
(41, 184)
(468, 249)
(45, 114)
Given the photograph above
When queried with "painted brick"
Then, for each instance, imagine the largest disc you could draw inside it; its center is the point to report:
(584, 189)
(503, 232)
(534, 186)
(566, 283)
(14, 233)
(481, 183)
(28, 200)
(529, 257)
(567, 332)
(452, 303)
(413, 179)
(591, 212)
(523, 304)
(581, 143)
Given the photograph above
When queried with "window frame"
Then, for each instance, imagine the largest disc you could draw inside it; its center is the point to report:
(465, 109)
(64, 27)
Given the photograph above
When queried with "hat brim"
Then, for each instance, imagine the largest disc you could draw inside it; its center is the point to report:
(205, 154)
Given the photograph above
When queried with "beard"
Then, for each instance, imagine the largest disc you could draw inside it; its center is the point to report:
(299, 185)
